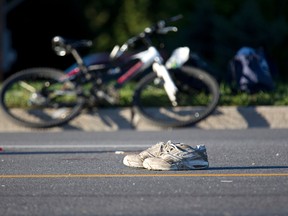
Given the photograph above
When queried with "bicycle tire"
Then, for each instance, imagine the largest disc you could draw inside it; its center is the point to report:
(40, 98)
(197, 97)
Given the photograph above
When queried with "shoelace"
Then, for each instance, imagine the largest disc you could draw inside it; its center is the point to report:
(168, 147)
(163, 148)
(151, 149)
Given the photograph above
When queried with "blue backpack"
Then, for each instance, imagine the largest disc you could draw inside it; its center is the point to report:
(250, 72)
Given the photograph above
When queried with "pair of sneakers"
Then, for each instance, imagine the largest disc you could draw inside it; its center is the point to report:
(169, 156)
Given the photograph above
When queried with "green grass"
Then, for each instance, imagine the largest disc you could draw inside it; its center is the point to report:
(277, 97)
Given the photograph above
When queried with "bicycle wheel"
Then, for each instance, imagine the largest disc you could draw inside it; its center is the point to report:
(40, 98)
(197, 97)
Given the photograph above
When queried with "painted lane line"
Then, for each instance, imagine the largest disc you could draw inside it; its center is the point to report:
(144, 175)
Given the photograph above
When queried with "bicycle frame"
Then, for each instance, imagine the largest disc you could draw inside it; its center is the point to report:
(145, 59)
(150, 57)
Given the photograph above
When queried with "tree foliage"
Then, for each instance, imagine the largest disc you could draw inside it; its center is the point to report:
(215, 29)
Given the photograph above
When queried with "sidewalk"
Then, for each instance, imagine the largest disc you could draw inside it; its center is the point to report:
(120, 118)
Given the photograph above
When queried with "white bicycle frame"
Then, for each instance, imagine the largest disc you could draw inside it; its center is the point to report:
(151, 56)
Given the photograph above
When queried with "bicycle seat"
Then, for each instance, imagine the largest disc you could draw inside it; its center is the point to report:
(63, 46)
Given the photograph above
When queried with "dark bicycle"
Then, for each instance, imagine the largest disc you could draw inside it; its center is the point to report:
(169, 93)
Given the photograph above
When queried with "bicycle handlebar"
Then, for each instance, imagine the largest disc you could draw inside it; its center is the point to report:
(174, 18)
(159, 28)
(63, 46)
(162, 28)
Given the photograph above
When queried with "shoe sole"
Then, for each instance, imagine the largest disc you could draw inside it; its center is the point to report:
(192, 166)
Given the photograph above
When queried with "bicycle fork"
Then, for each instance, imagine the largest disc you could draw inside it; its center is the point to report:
(169, 85)
(177, 59)
(152, 57)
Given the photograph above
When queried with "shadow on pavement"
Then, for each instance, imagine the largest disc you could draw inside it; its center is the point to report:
(252, 117)
(248, 167)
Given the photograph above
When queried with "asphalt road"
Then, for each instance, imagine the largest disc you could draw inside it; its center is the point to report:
(81, 173)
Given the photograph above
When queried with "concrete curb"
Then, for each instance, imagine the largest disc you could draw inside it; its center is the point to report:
(114, 119)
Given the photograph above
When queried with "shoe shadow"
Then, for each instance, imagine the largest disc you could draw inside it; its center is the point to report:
(247, 168)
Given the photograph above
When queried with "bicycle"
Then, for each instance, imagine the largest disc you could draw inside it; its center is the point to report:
(169, 94)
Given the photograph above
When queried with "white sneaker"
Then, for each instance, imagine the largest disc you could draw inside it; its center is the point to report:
(136, 160)
(179, 157)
